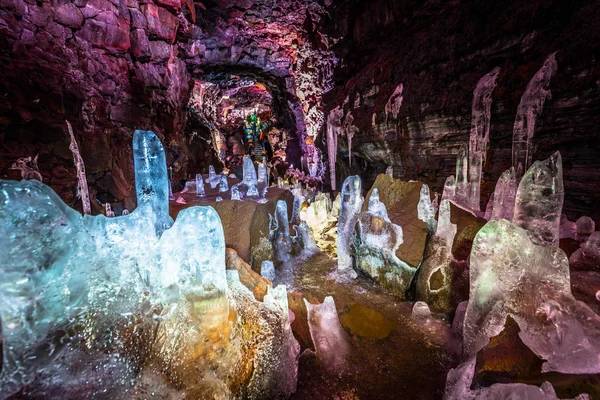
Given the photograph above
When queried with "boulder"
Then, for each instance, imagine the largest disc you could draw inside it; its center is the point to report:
(401, 200)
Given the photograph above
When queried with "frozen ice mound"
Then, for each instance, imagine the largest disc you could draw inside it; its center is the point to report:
(134, 305)
(510, 275)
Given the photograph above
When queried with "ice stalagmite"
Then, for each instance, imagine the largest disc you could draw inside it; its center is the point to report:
(376, 240)
(213, 179)
(425, 209)
(504, 196)
(351, 203)
(200, 186)
(223, 186)
(449, 192)
(250, 181)
(530, 107)
(480, 134)
(262, 173)
(284, 365)
(235, 192)
(267, 270)
(81, 177)
(539, 201)
(334, 129)
(299, 199)
(328, 335)
(280, 232)
(199, 272)
(151, 179)
(512, 276)
(376, 206)
(304, 238)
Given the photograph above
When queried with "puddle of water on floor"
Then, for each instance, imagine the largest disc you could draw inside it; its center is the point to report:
(367, 322)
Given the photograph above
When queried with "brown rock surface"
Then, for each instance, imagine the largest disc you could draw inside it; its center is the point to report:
(300, 325)
(245, 223)
(467, 226)
(253, 281)
(448, 277)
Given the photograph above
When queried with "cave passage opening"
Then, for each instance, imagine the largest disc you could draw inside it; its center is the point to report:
(233, 112)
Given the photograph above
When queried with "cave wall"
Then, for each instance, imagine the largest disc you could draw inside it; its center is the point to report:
(438, 51)
(107, 67)
(112, 66)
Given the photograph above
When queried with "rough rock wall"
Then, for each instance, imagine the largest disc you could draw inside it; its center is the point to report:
(107, 67)
(111, 66)
(437, 51)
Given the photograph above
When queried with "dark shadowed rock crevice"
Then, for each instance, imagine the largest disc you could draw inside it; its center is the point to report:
(438, 51)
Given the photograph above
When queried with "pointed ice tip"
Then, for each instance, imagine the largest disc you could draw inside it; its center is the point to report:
(329, 300)
(554, 163)
(146, 139)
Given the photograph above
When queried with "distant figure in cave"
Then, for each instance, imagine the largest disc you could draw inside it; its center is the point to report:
(256, 144)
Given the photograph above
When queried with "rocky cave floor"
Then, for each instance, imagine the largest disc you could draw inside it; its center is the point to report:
(391, 355)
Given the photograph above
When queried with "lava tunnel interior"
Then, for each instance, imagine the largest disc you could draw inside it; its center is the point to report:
(299, 199)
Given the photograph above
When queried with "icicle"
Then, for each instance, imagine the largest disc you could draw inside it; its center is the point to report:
(504, 196)
(81, 178)
(462, 184)
(394, 103)
(530, 107)
(539, 201)
(200, 186)
(350, 131)
(334, 128)
(480, 134)
(350, 206)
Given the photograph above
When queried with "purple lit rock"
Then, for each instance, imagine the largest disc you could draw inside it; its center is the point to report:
(68, 14)
(140, 46)
(161, 23)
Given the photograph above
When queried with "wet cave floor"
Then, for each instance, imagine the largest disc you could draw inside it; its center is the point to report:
(411, 362)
